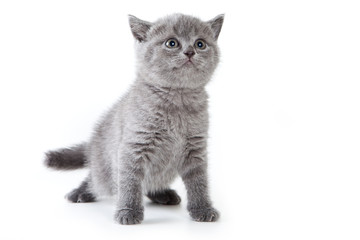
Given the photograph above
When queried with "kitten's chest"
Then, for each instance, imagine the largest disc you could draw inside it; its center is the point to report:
(181, 121)
(173, 116)
(172, 128)
(181, 125)
(177, 124)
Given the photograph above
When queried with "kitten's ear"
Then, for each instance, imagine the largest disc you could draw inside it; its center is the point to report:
(216, 24)
(139, 28)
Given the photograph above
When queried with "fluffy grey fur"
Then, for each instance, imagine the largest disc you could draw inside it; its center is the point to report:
(158, 129)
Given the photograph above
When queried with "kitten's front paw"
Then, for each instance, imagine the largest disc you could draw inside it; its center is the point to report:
(204, 214)
(128, 216)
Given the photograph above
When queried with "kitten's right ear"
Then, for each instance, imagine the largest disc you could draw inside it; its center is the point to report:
(139, 28)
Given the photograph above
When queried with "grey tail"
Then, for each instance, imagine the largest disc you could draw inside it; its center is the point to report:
(66, 158)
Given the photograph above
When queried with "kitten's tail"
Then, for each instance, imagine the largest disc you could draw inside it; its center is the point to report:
(66, 158)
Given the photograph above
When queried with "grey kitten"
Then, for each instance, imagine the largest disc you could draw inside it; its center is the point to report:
(158, 129)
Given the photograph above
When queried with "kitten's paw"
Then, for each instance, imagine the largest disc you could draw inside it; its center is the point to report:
(204, 214)
(166, 197)
(128, 216)
(77, 196)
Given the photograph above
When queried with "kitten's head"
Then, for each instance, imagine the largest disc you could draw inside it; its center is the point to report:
(178, 51)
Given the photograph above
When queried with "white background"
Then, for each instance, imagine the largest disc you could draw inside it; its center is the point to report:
(285, 117)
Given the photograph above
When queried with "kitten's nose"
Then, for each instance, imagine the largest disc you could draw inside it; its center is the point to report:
(189, 53)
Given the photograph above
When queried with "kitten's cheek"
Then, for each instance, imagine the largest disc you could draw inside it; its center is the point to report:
(172, 67)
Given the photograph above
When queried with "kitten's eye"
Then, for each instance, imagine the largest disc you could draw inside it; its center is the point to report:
(201, 44)
(172, 43)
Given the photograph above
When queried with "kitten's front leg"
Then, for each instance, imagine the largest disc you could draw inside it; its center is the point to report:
(130, 175)
(194, 175)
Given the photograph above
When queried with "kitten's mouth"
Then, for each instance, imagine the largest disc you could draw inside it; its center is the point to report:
(189, 62)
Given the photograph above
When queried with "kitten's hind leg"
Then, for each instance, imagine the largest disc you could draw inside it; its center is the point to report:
(81, 194)
(165, 197)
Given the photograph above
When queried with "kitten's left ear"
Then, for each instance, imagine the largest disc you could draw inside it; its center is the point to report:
(216, 24)
(139, 28)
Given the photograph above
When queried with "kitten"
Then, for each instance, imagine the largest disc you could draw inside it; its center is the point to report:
(158, 129)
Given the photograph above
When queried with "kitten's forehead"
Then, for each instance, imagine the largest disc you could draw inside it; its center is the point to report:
(182, 26)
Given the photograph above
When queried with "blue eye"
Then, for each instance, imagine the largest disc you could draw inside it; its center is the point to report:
(172, 43)
(201, 44)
